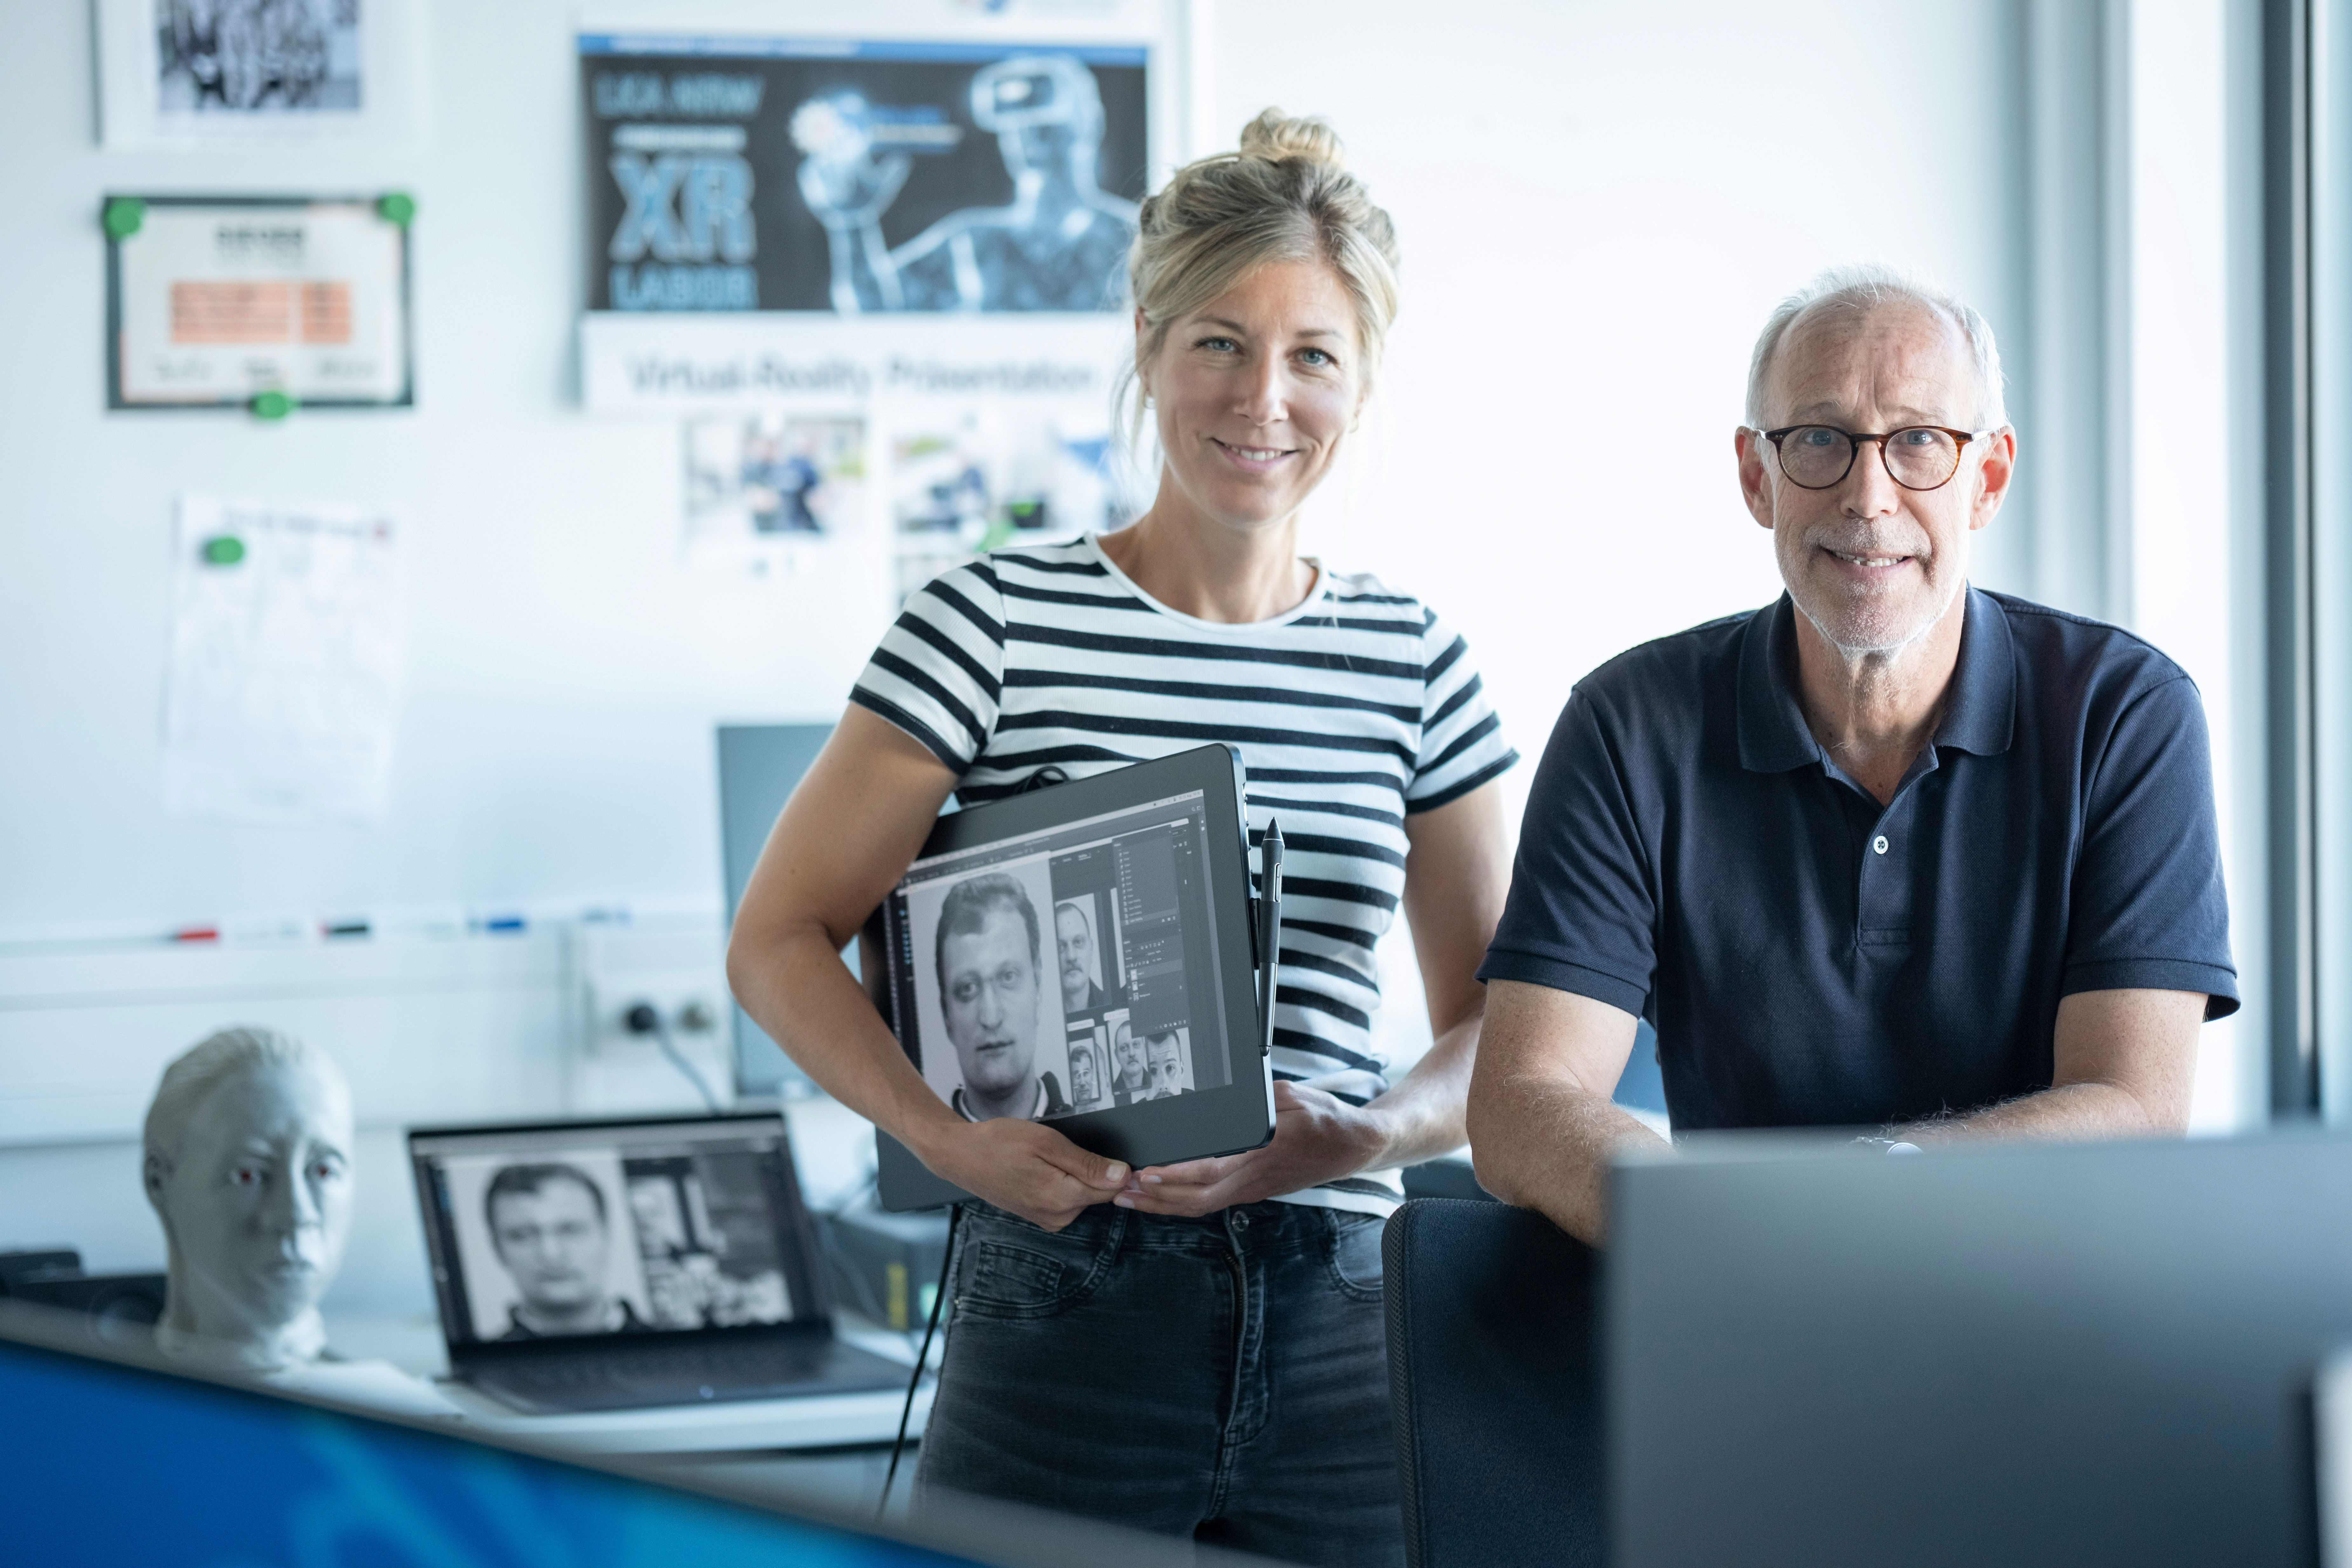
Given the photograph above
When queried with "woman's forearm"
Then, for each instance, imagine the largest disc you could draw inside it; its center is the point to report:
(795, 986)
(1422, 1116)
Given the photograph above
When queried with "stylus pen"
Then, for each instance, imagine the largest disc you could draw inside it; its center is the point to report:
(1269, 908)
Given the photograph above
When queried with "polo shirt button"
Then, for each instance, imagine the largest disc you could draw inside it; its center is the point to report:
(1879, 844)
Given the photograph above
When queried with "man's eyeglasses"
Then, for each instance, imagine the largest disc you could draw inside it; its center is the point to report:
(1917, 457)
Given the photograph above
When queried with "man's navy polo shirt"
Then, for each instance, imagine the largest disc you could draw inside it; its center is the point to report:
(1692, 855)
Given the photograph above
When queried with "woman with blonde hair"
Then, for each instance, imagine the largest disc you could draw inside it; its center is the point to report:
(1195, 1350)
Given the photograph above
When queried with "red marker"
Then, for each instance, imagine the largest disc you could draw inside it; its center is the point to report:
(196, 934)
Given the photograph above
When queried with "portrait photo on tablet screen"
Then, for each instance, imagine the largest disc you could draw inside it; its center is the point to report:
(987, 993)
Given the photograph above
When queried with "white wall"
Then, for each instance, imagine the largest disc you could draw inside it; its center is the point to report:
(564, 671)
(1593, 222)
(1598, 206)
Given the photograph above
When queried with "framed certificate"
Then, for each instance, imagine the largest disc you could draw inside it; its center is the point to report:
(257, 301)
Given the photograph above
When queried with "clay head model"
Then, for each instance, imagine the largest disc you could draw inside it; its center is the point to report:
(248, 1164)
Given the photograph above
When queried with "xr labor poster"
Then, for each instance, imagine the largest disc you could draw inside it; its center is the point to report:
(860, 178)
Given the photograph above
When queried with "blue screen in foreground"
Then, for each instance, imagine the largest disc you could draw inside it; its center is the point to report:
(101, 1463)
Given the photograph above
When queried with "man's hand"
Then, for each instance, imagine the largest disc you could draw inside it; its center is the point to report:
(1317, 1137)
(1023, 1167)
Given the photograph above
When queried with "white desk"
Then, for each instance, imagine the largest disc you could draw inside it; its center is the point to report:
(723, 1426)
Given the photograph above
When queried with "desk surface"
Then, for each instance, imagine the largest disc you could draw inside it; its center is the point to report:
(733, 1427)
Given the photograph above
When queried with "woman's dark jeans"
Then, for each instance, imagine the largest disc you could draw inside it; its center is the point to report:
(1222, 1378)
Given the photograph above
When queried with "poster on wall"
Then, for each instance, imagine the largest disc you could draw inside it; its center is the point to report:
(210, 73)
(745, 173)
(213, 302)
(285, 664)
(972, 476)
(928, 237)
(974, 438)
(771, 491)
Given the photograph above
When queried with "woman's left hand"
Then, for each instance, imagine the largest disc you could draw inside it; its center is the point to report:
(1317, 1137)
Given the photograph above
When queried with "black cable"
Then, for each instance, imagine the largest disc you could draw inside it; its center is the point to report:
(643, 1018)
(923, 1357)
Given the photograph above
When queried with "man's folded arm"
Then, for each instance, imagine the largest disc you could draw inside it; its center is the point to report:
(2122, 1065)
(1542, 1127)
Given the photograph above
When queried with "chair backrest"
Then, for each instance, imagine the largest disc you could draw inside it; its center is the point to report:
(1495, 1368)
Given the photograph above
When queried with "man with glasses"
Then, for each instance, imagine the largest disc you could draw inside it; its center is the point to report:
(1892, 853)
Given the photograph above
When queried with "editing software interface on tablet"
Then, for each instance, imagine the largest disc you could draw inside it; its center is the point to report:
(615, 1230)
(1063, 972)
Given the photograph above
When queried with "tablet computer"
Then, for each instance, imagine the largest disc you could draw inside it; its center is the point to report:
(1082, 954)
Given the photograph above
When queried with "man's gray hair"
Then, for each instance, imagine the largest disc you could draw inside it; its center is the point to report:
(1863, 286)
(227, 1053)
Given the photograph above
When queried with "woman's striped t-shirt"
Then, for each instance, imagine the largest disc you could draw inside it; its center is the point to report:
(1355, 710)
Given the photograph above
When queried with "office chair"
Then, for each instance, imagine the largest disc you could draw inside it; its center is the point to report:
(1494, 1369)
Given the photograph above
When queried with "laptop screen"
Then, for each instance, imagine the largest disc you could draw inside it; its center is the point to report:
(594, 1229)
(1064, 971)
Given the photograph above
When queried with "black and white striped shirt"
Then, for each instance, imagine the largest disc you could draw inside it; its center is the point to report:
(1354, 710)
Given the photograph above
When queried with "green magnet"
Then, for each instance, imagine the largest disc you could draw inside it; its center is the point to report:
(271, 404)
(122, 217)
(397, 208)
(225, 550)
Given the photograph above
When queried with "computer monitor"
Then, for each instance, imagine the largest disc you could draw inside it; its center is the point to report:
(759, 766)
(109, 1459)
(2097, 1353)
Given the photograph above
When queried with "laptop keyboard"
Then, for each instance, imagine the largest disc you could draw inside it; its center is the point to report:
(639, 1376)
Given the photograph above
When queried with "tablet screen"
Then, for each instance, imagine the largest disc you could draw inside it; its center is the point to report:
(1065, 971)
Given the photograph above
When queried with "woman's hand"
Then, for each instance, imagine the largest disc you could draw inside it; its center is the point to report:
(1024, 1167)
(1317, 1137)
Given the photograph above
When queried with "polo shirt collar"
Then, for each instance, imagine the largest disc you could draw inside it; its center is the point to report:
(1773, 735)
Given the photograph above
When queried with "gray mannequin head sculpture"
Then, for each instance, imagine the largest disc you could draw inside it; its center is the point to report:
(248, 1151)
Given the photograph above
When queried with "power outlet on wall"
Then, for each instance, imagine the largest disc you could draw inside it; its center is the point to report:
(686, 1002)
(672, 967)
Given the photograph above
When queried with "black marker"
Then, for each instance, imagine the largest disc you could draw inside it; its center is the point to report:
(1269, 921)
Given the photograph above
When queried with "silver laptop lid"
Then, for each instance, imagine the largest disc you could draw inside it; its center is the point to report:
(585, 1232)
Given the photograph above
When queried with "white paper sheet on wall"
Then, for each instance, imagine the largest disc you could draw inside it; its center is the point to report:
(285, 671)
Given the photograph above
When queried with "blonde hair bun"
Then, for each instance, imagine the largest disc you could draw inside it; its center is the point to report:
(1285, 196)
(1275, 136)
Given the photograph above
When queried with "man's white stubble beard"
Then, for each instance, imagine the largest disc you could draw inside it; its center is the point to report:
(1926, 623)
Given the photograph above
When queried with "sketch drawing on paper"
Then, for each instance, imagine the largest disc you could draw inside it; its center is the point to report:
(1057, 245)
(285, 672)
(257, 56)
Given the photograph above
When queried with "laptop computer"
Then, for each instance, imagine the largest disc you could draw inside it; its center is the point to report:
(623, 1265)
